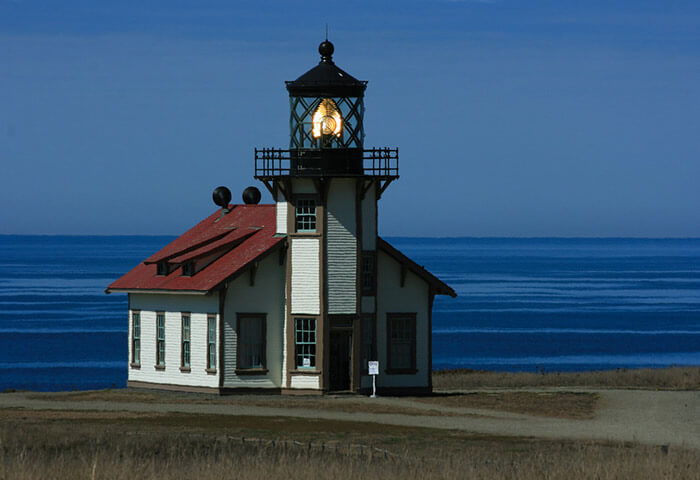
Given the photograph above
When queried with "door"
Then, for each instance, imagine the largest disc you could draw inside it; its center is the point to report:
(341, 342)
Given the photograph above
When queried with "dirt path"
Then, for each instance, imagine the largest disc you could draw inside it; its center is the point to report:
(643, 416)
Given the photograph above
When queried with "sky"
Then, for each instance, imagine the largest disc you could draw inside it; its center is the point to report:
(528, 118)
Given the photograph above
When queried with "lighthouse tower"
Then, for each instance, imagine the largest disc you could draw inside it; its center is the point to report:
(326, 187)
(297, 296)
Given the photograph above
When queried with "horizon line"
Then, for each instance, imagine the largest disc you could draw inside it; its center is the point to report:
(420, 237)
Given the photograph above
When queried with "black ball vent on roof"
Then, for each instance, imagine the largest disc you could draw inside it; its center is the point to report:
(251, 196)
(222, 197)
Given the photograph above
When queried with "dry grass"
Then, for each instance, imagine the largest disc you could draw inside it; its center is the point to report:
(674, 378)
(552, 404)
(204, 447)
(346, 403)
(573, 405)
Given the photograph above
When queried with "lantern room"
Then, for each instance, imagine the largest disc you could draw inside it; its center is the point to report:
(326, 131)
(326, 106)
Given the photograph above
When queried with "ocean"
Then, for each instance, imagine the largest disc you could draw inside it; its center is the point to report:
(540, 305)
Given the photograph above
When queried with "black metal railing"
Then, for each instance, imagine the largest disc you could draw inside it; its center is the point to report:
(372, 162)
(381, 162)
(272, 162)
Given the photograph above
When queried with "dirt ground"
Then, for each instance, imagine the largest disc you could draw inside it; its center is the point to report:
(640, 416)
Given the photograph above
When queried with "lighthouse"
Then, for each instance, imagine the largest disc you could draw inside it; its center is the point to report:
(326, 187)
(335, 296)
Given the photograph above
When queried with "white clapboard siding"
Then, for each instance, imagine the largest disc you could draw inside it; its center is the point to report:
(229, 348)
(284, 347)
(305, 381)
(369, 220)
(413, 297)
(305, 273)
(281, 212)
(342, 247)
(264, 297)
(171, 374)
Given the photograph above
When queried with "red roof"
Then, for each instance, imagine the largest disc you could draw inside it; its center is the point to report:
(238, 238)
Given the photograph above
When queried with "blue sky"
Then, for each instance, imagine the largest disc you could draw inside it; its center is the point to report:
(513, 118)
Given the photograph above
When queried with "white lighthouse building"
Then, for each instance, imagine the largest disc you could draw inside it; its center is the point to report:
(297, 296)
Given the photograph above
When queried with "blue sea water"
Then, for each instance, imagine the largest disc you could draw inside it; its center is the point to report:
(523, 304)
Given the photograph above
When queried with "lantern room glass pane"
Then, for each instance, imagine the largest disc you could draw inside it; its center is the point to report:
(326, 122)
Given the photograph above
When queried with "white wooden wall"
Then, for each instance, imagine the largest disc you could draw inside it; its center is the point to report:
(265, 296)
(305, 381)
(281, 212)
(173, 306)
(391, 298)
(305, 276)
(341, 247)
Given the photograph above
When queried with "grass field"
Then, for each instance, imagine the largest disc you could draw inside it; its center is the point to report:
(674, 378)
(92, 445)
(60, 443)
(548, 404)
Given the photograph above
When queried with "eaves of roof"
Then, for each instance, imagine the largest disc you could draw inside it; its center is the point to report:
(437, 285)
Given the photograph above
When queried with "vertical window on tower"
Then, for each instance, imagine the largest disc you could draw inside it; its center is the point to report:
(186, 341)
(160, 339)
(305, 215)
(211, 343)
(135, 338)
(401, 342)
(305, 336)
(369, 282)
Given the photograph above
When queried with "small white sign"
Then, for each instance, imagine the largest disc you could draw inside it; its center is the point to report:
(306, 362)
(373, 367)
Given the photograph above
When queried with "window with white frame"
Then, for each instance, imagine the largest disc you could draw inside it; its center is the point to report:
(305, 216)
(251, 342)
(136, 338)
(160, 339)
(186, 328)
(211, 342)
(305, 340)
(401, 342)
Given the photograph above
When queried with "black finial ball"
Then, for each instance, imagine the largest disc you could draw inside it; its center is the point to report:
(326, 50)
(251, 196)
(221, 196)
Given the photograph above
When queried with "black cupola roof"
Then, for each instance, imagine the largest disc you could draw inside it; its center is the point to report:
(326, 79)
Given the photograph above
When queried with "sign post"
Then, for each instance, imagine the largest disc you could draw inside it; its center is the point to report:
(373, 367)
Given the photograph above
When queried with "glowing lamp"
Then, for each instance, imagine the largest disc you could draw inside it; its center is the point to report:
(326, 119)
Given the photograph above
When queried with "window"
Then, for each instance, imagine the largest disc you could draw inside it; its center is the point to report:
(160, 339)
(211, 342)
(305, 335)
(251, 342)
(369, 346)
(368, 276)
(136, 338)
(186, 340)
(162, 268)
(188, 269)
(401, 342)
(306, 214)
